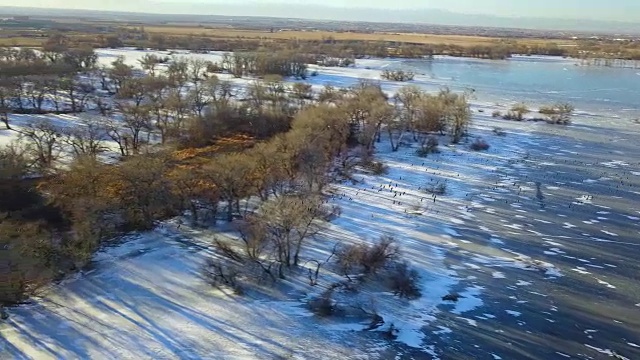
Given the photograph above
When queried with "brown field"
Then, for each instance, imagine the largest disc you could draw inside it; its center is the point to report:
(22, 41)
(461, 40)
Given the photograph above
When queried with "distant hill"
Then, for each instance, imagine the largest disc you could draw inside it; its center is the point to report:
(316, 12)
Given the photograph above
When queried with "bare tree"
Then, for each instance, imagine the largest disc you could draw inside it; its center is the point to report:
(220, 91)
(103, 106)
(149, 63)
(194, 190)
(77, 92)
(175, 112)
(459, 118)
(290, 221)
(86, 92)
(137, 120)
(37, 89)
(231, 175)
(367, 106)
(431, 116)
(135, 89)
(146, 192)
(158, 95)
(19, 84)
(119, 73)
(178, 72)
(7, 92)
(407, 100)
(197, 70)
(43, 139)
(118, 134)
(198, 101)
(301, 93)
(87, 138)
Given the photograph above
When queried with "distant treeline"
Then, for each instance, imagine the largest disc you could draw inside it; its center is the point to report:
(498, 49)
(326, 51)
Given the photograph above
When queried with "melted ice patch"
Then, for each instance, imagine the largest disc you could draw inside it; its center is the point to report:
(580, 270)
(469, 321)
(469, 300)
(443, 330)
(451, 232)
(498, 275)
(608, 352)
(497, 241)
(602, 282)
(614, 164)
(609, 233)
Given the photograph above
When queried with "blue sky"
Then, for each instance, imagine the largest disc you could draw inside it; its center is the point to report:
(623, 10)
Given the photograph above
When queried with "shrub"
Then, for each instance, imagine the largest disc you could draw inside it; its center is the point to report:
(366, 257)
(377, 255)
(496, 114)
(499, 131)
(404, 281)
(349, 259)
(391, 333)
(214, 67)
(217, 274)
(439, 188)
(430, 146)
(323, 305)
(517, 112)
(422, 152)
(480, 145)
(376, 167)
(14, 288)
(335, 62)
(557, 114)
(397, 75)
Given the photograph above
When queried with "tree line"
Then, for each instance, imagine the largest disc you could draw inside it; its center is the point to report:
(188, 141)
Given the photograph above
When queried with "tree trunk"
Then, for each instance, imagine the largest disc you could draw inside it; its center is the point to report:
(229, 210)
(5, 120)
(194, 211)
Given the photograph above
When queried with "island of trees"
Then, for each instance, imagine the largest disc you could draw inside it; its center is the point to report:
(148, 145)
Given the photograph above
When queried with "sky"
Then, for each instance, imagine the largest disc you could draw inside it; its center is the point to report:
(610, 10)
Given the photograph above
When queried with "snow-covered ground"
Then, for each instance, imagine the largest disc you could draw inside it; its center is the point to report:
(365, 69)
(145, 299)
